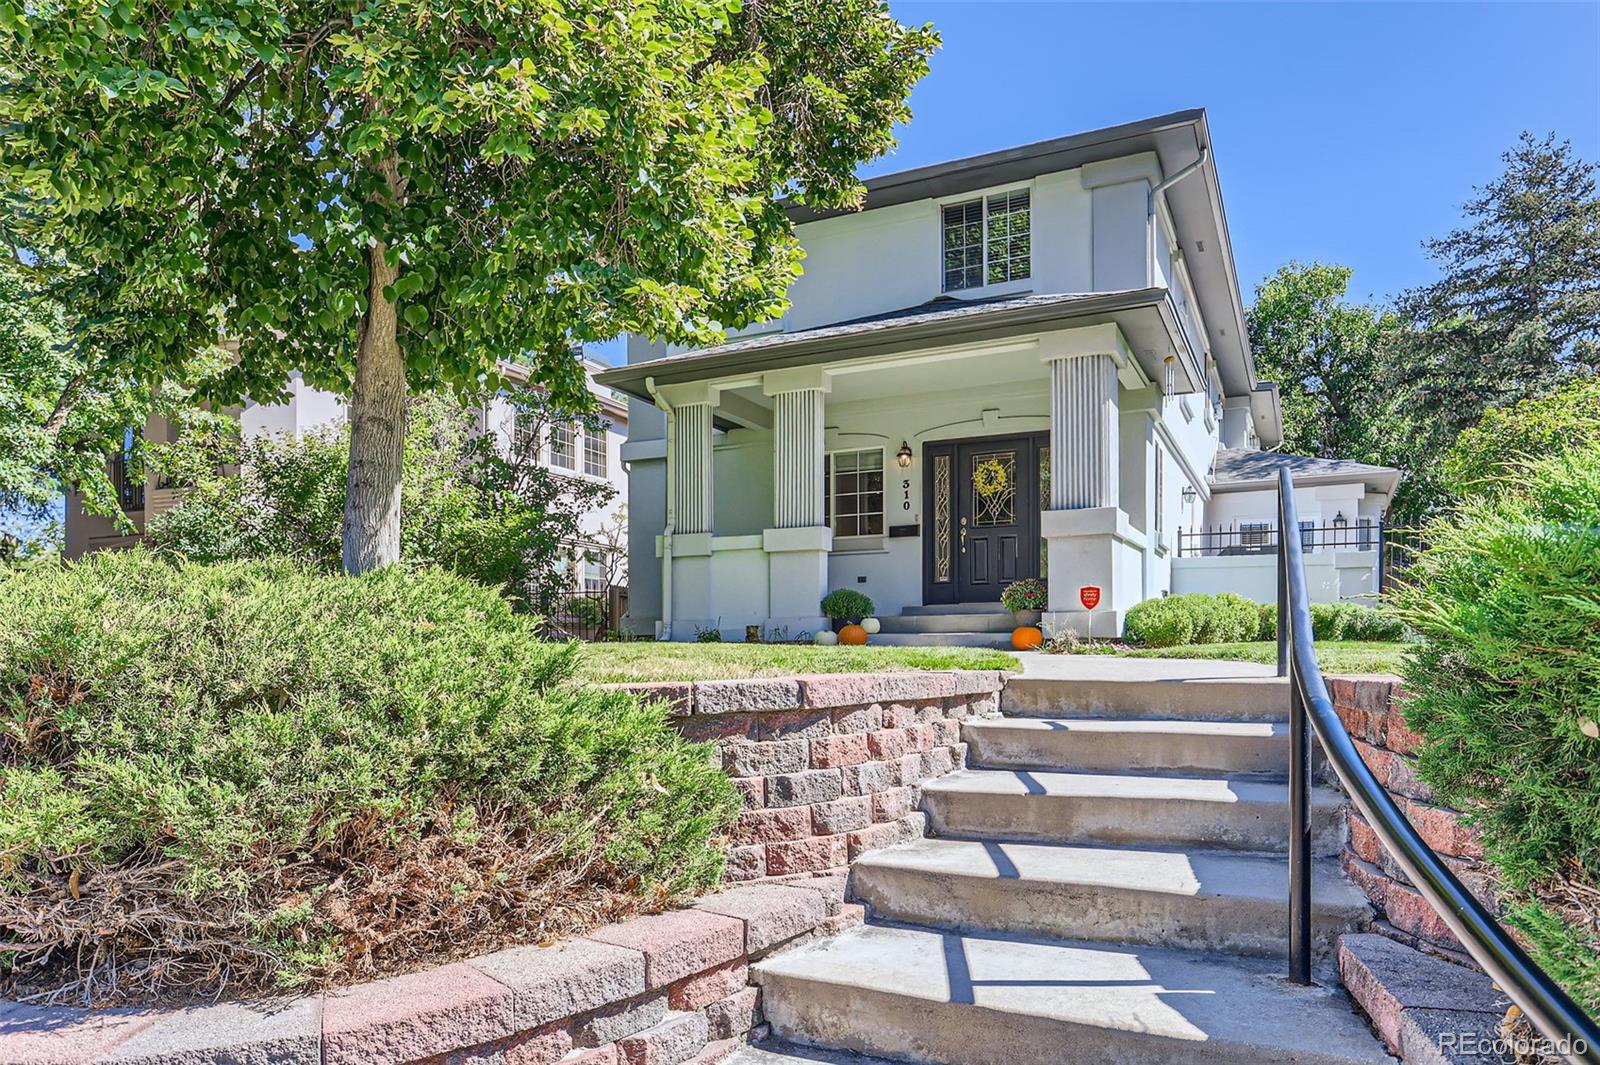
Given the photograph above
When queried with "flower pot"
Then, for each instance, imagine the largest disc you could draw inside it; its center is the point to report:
(1027, 617)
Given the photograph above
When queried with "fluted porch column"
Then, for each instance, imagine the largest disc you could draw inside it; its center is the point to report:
(687, 570)
(1095, 571)
(799, 540)
(1083, 432)
(692, 500)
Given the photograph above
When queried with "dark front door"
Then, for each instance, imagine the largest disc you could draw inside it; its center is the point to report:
(981, 503)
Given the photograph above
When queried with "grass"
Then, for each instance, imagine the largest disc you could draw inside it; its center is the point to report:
(1334, 656)
(633, 663)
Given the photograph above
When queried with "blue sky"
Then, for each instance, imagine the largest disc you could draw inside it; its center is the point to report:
(1344, 132)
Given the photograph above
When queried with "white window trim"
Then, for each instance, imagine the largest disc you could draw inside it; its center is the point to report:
(864, 541)
(1002, 288)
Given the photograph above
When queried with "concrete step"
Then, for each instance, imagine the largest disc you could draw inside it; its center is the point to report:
(1198, 900)
(996, 640)
(775, 1052)
(954, 608)
(1213, 812)
(953, 999)
(1203, 699)
(1113, 745)
(965, 622)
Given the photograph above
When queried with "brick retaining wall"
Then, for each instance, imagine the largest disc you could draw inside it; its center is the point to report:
(1370, 710)
(830, 765)
(660, 990)
(1423, 994)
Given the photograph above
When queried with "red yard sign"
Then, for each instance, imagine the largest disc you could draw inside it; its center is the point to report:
(1089, 596)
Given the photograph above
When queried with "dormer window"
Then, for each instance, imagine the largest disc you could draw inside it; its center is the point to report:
(988, 241)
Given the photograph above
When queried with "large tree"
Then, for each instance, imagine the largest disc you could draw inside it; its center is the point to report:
(1326, 356)
(390, 195)
(1516, 309)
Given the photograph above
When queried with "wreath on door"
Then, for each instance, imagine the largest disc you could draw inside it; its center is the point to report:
(989, 478)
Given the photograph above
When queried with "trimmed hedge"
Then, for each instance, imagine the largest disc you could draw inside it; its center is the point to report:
(1505, 687)
(1227, 618)
(256, 775)
(1194, 618)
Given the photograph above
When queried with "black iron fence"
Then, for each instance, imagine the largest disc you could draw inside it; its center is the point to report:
(591, 616)
(1262, 538)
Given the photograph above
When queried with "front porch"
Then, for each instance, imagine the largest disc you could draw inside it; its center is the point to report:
(928, 480)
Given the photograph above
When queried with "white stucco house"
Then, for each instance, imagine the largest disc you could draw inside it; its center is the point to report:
(1026, 363)
(566, 448)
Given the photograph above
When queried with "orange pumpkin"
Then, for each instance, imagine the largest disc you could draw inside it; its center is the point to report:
(1026, 638)
(854, 635)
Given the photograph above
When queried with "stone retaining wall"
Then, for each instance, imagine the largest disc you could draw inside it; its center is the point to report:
(1370, 710)
(658, 990)
(830, 765)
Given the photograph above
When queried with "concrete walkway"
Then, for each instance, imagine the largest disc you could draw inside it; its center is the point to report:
(1111, 667)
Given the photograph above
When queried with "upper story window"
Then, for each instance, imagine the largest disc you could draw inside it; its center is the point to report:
(988, 241)
(594, 452)
(524, 433)
(564, 445)
(125, 472)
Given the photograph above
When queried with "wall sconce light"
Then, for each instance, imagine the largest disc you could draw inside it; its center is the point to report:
(1340, 521)
(903, 456)
(1189, 493)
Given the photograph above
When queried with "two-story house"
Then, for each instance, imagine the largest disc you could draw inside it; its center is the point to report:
(1026, 363)
(565, 447)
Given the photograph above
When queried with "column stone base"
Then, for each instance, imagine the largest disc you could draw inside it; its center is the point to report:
(797, 577)
(1093, 547)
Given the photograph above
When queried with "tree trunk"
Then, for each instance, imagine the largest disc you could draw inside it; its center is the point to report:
(377, 432)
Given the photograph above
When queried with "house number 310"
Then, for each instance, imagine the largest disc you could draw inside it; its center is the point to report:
(905, 489)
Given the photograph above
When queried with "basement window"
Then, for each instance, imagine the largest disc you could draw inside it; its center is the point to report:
(988, 241)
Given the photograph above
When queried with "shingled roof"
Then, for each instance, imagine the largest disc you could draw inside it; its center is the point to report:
(1237, 467)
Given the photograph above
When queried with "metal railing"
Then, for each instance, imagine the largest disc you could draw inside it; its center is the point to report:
(1262, 539)
(1311, 710)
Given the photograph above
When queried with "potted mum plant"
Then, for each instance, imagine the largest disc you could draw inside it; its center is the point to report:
(845, 607)
(1026, 599)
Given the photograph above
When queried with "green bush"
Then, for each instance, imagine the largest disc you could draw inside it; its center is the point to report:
(1193, 618)
(846, 604)
(1506, 603)
(1160, 622)
(1030, 593)
(255, 774)
(1267, 625)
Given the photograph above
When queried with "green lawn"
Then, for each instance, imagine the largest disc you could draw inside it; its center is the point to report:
(1334, 656)
(619, 663)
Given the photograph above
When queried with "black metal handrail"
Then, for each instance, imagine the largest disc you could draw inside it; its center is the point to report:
(1574, 1035)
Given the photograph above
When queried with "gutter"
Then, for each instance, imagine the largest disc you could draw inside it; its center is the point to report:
(1153, 197)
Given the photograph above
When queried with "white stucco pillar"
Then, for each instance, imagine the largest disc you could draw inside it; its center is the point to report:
(687, 571)
(1083, 432)
(1094, 554)
(798, 542)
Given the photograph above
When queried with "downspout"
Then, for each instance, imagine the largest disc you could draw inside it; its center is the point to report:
(665, 632)
(1150, 205)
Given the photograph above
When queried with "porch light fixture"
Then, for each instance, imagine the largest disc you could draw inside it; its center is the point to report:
(1340, 521)
(1189, 492)
(903, 456)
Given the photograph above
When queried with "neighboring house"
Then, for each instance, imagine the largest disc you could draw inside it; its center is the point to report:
(564, 447)
(1031, 362)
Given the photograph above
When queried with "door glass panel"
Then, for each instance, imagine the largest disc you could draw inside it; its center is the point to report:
(994, 488)
(941, 519)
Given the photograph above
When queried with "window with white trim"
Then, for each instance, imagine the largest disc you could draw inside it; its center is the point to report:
(525, 433)
(594, 452)
(854, 502)
(564, 445)
(593, 574)
(988, 241)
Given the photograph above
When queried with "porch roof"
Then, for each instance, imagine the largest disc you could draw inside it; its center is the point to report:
(1145, 316)
(1246, 469)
